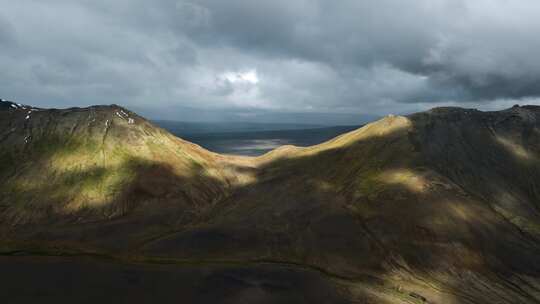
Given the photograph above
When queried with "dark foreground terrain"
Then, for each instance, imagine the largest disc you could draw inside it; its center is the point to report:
(441, 206)
(91, 280)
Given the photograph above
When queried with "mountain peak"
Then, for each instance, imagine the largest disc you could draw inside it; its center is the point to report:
(92, 159)
(23, 124)
(10, 105)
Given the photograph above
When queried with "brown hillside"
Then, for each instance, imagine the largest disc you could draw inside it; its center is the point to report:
(440, 206)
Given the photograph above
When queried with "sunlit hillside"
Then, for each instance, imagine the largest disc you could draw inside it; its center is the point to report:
(439, 206)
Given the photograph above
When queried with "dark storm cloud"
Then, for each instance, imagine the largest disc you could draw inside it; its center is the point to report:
(344, 56)
(468, 51)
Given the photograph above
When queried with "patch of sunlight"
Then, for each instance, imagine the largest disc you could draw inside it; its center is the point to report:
(74, 187)
(406, 178)
(516, 149)
(461, 211)
(384, 127)
(237, 175)
(523, 223)
(387, 126)
(282, 152)
(325, 186)
(71, 178)
(399, 286)
(101, 189)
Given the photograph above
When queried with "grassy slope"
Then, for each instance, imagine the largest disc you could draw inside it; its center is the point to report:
(420, 194)
(83, 165)
(411, 201)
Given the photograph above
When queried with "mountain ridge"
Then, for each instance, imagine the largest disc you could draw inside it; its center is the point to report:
(441, 205)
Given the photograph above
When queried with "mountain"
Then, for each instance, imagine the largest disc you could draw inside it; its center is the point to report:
(440, 206)
(98, 162)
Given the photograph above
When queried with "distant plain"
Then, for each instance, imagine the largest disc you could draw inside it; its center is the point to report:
(252, 139)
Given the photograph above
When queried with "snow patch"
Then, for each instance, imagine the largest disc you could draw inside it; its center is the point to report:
(124, 115)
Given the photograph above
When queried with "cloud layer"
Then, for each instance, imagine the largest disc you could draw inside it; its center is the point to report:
(244, 56)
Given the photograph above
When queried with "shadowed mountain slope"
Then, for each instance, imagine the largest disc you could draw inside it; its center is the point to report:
(440, 206)
(102, 162)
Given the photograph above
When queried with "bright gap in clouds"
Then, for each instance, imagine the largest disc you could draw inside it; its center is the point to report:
(241, 89)
(249, 76)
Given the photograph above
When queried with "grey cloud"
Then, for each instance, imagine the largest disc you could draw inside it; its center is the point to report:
(7, 34)
(358, 35)
(314, 56)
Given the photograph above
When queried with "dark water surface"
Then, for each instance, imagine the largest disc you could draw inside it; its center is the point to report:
(259, 142)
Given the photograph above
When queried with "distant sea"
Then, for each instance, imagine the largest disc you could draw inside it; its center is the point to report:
(254, 143)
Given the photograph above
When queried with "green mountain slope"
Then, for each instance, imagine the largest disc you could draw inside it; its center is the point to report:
(103, 162)
(440, 206)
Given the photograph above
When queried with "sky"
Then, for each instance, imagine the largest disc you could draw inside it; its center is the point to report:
(317, 61)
